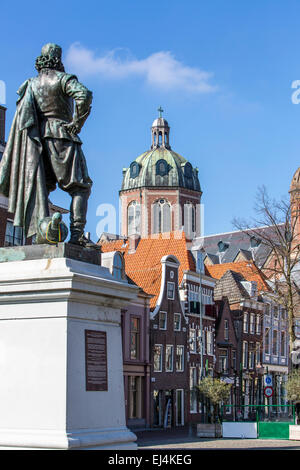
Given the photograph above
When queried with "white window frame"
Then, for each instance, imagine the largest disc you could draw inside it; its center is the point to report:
(193, 383)
(207, 296)
(181, 391)
(182, 357)
(161, 216)
(165, 322)
(275, 343)
(245, 356)
(223, 360)
(257, 355)
(252, 324)
(193, 337)
(245, 323)
(251, 359)
(169, 283)
(258, 324)
(226, 329)
(160, 346)
(134, 211)
(10, 223)
(283, 353)
(177, 329)
(171, 346)
(209, 343)
(267, 344)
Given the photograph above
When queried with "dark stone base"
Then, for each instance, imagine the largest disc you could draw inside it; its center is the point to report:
(61, 250)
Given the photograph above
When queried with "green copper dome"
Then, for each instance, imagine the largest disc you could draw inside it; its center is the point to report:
(160, 166)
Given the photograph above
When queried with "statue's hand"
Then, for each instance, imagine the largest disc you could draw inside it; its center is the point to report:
(72, 128)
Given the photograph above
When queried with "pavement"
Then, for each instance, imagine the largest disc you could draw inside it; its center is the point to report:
(183, 439)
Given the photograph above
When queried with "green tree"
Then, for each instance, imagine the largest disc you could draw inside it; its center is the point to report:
(292, 387)
(216, 391)
(281, 218)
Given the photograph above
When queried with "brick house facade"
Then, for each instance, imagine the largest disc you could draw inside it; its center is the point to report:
(168, 345)
(227, 348)
(136, 361)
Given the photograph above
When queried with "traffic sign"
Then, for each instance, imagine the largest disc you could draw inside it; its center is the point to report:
(268, 381)
(268, 391)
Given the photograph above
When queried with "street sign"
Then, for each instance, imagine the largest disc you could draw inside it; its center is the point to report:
(268, 391)
(268, 381)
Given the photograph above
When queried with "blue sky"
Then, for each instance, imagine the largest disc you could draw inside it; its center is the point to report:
(221, 70)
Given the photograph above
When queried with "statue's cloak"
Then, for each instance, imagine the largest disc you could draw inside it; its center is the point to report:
(22, 174)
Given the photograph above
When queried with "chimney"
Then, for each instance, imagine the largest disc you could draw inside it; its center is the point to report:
(133, 243)
(2, 124)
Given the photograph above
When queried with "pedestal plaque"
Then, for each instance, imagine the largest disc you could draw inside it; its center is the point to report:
(95, 360)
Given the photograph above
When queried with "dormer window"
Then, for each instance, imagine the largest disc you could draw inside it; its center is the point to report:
(188, 170)
(222, 246)
(255, 242)
(162, 168)
(118, 266)
(134, 170)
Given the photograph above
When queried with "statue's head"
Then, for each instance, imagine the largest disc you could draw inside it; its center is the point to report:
(50, 58)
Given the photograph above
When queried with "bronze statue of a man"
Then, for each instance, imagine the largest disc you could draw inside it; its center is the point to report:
(44, 149)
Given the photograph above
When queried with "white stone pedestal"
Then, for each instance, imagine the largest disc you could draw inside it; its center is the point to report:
(45, 307)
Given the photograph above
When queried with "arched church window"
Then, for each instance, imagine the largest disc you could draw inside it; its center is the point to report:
(134, 218)
(161, 217)
(160, 138)
(189, 218)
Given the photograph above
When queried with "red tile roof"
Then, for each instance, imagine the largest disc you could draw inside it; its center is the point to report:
(246, 268)
(144, 266)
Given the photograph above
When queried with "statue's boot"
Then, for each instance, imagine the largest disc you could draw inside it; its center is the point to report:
(78, 212)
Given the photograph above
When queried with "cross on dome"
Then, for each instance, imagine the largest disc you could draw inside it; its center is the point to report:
(160, 110)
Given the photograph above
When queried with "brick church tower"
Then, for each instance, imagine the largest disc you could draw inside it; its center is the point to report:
(160, 190)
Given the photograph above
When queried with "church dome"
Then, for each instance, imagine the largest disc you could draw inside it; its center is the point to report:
(160, 166)
(160, 122)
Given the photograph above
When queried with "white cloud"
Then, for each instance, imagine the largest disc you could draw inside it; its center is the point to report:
(160, 69)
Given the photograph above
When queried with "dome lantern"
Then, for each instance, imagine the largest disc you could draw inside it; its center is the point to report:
(160, 132)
